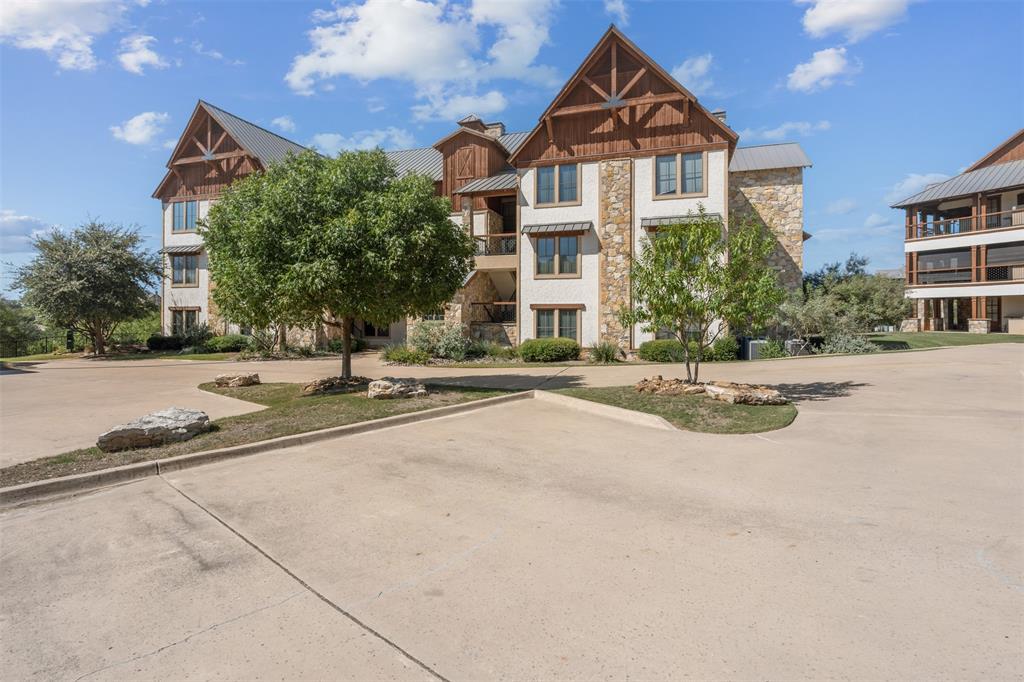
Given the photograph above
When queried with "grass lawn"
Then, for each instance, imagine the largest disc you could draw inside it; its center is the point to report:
(288, 412)
(918, 340)
(43, 356)
(692, 412)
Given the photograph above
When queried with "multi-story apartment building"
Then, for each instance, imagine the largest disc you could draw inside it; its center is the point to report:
(964, 247)
(558, 211)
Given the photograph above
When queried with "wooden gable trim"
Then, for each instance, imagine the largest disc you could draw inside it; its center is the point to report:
(1017, 137)
(469, 131)
(613, 39)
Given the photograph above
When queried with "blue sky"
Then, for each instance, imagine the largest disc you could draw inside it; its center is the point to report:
(884, 95)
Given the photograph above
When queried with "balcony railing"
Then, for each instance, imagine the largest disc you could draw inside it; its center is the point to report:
(1003, 272)
(500, 244)
(971, 223)
(497, 311)
(944, 276)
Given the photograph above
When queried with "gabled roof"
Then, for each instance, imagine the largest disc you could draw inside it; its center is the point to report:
(769, 156)
(987, 179)
(463, 130)
(266, 146)
(1016, 138)
(429, 161)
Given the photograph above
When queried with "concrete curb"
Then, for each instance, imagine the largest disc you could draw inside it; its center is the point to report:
(105, 477)
(608, 411)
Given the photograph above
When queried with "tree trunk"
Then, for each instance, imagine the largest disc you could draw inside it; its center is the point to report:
(282, 338)
(99, 342)
(346, 348)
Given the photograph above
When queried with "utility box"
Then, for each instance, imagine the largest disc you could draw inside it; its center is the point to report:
(752, 348)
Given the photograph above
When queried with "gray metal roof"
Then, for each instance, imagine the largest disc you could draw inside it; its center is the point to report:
(267, 146)
(503, 180)
(190, 248)
(768, 156)
(676, 219)
(426, 160)
(1000, 176)
(512, 141)
(555, 228)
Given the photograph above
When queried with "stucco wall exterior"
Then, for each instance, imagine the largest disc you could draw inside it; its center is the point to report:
(579, 290)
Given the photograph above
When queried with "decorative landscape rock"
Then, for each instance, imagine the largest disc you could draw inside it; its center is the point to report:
(744, 394)
(332, 385)
(236, 380)
(390, 387)
(166, 426)
(660, 386)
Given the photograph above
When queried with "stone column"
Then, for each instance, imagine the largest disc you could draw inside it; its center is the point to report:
(615, 234)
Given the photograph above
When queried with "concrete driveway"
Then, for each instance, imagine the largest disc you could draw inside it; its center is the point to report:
(52, 407)
(879, 536)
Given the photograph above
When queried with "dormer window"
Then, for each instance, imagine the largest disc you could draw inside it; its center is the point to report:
(558, 185)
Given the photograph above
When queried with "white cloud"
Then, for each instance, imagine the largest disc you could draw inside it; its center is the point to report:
(63, 30)
(203, 51)
(141, 129)
(876, 220)
(856, 19)
(825, 67)
(617, 10)
(437, 47)
(912, 184)
(693, 74)
(375, 105)
(388, 138)
(447, 108)
(780, 132)
(136, 54)
(17, 231)
(284, 123)
(841, 206)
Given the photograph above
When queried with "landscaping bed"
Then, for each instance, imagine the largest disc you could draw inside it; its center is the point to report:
(692, 412)
(287, 413)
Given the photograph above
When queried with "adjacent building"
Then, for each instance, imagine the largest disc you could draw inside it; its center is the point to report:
(558, 212)
(964, 247)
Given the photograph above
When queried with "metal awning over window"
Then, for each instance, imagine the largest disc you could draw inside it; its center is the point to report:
(559, 228)
(182, 250)
(654, 223)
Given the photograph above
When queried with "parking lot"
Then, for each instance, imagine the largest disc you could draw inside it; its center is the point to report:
(876, 537)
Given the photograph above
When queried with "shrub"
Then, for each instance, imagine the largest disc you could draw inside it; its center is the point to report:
(725, 348)
(338, 345)
(440, 340)
(161, 342)
(137, 330)
(490, 349)
(605, 352)
(774, 348)
(846, 343)
(403, 355)
(549, 350)
(661, 350)
(229, 343)
(196, 337)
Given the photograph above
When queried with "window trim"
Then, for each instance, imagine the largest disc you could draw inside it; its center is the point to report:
(557, 166)
(183, 310)
(185, 285)
(557, 274)
(679, 194)
(184, 209)
(558, 309)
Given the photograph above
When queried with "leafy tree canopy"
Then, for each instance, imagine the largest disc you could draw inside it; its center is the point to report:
(694, 278)
(90, 279)
(329, 240)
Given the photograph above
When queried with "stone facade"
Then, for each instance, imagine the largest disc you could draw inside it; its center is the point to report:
(615, 234)
(776, 198)
(501, 333)
(911, 324)
(979, 326)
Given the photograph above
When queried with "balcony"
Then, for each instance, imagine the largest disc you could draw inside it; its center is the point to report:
(497, 312)
(983, 274)
(496, 251)
(966, 224)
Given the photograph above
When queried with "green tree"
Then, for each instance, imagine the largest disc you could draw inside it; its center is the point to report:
(91, 279)
(317, 240)
(694, 278)
(18, 326)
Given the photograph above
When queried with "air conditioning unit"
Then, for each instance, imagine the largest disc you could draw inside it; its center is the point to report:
(752, 348)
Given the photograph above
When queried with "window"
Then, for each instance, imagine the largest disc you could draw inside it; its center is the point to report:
(558, 256)
(561, 322)
(185, 215)
(370, 329)
(558, 184)
(680, 175)
(665, 175)
(185, 270)
(183, 320)
(437, 316)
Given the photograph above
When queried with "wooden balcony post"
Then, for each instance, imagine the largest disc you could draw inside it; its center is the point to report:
(982, 212)
(984, 263)
(910, 223)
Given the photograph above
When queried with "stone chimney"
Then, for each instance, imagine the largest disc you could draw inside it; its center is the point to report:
(496, 129)
(720, 115)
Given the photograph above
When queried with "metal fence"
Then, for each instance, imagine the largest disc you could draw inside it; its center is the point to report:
(16, 348)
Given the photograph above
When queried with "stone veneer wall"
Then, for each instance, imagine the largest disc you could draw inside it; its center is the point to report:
(615, 234)
(776, 198)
